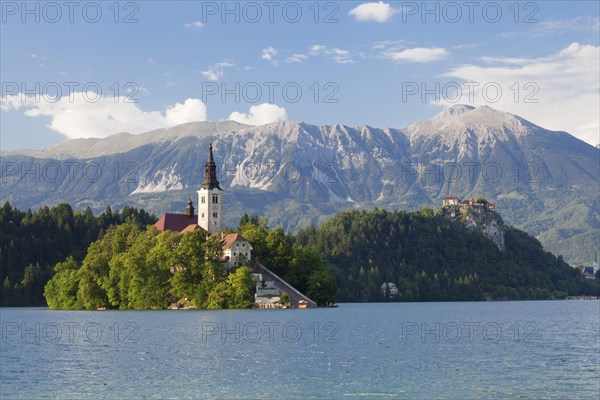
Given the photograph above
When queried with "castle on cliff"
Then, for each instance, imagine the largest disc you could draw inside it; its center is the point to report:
(455, 201)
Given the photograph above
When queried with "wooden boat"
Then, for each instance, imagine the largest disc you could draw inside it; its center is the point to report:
(302, 304)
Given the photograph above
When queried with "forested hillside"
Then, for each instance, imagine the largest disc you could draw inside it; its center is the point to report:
(431, 258)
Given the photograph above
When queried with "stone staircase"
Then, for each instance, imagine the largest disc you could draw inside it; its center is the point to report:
(282, 285)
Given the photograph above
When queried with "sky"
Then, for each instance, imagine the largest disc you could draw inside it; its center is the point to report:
(91, 69)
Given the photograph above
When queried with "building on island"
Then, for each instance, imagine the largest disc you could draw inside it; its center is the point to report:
(210, 204)
(209, 217)
(236, 250)
(269, 288)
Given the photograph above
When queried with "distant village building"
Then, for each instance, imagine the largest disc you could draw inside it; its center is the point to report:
(389, 289)
(590, 272)
(209, 219)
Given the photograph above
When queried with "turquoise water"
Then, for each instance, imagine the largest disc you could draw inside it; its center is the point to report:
(488, 350)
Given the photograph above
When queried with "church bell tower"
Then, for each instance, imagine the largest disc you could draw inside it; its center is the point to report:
(210, 204)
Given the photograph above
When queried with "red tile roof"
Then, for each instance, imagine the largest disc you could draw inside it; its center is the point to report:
(191, 227)
(230, 238)
(176, 222)
(450, 198)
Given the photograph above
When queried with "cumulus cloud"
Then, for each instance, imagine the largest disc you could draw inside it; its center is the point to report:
(260, 114)
(416, 55)
(268, 53)
(85, 115)
(561, 93)
(217, 71)
(378, 12)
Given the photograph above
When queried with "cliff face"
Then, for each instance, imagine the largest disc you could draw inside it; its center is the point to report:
(481, 218)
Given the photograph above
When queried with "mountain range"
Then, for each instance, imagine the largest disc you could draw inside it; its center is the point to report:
(544, 182)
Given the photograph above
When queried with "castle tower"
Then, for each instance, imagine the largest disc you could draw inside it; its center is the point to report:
(210, 204)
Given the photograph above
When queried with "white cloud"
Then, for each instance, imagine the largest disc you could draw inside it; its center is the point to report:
(194, 25)
(550, 27)
(339, 56)
(416, 54)
(190, 110)
(391, 44)
(268, 53)
(296, 58)
(316, 49)
(568, 84)
(13, 102)
(217, 71)
(86, 115)
(378, 12)
(260, 114)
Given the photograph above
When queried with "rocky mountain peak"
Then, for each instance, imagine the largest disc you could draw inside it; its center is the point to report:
(460, 121)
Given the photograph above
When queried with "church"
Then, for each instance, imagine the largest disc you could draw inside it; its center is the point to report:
(236, 249)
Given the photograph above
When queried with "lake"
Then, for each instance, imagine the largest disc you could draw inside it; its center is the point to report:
(478, 350)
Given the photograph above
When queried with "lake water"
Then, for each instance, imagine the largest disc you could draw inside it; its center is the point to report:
(487, 350)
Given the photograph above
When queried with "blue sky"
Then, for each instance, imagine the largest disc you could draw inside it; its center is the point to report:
(383, 64)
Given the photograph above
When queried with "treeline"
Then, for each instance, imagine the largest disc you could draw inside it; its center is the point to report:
(32, 242)
(140, 268)
(115, 260)
(431, 258)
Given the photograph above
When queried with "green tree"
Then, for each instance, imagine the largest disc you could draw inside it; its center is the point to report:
(256, 231)
(241, 288)
(187, 273)
(61, 291)
(284, 299)
(279, 251)
(321, 287)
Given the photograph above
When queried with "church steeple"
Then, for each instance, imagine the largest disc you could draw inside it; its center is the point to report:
(210, 172)
(210, 204)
